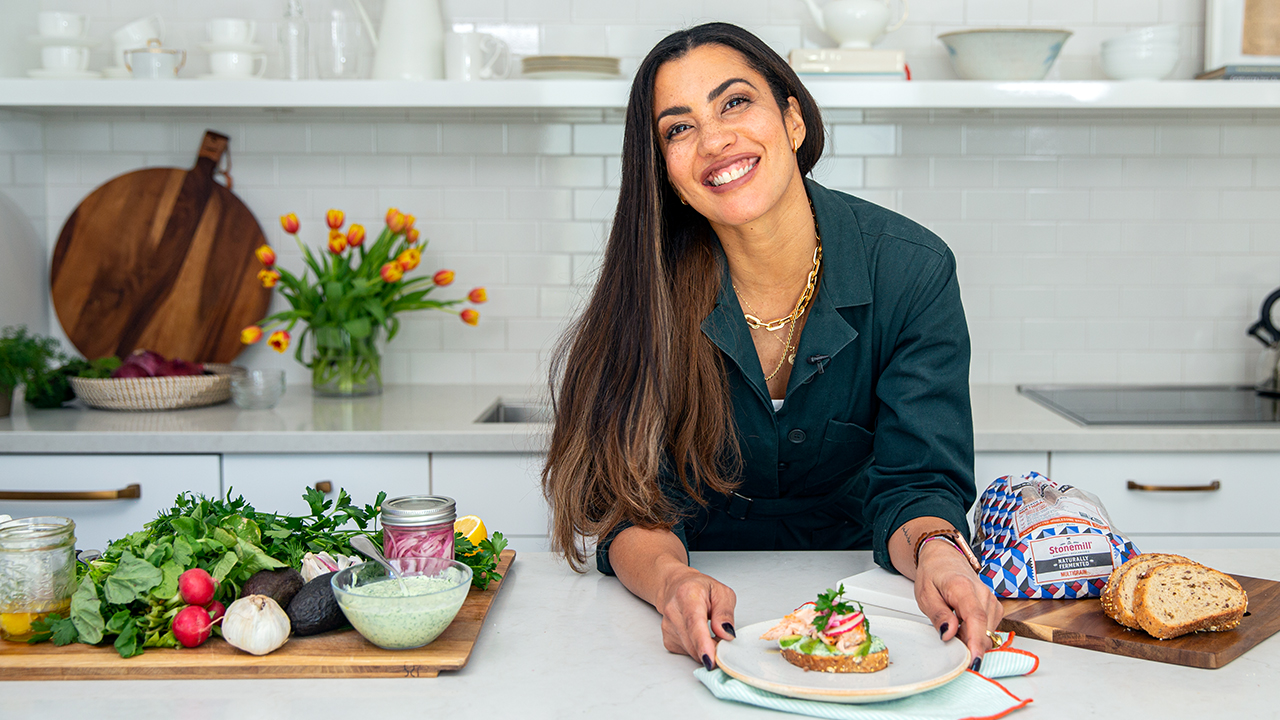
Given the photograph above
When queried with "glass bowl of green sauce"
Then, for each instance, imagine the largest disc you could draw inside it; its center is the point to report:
(397, 616)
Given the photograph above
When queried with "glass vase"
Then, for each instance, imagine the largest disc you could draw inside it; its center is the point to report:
(343, 365)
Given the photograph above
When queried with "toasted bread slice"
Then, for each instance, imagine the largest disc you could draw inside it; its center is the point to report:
(1117, 597)
(1183, 597)
(871, 662)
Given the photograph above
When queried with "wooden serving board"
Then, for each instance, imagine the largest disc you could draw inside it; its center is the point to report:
(160, 259)
(1081, 623)
(337, 654)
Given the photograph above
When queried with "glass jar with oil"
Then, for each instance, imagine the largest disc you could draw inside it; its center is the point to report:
(37, 572)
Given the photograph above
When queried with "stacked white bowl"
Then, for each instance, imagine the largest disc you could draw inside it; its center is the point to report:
(1149, 53)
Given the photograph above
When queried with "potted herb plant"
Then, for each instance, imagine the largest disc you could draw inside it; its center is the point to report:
(348, 297)
(22, 356)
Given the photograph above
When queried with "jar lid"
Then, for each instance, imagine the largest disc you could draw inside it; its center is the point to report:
(418, 510)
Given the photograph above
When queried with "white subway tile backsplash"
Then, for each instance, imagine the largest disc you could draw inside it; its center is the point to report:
(1220, 172)
(473, 203)
(1251, 204)
(542, 204)
(1190, 140)
(895, 172)
(20, 136)
(932, 139)
(1250, 139)
(342, 138)
(306, 170)
(1058, 140)
(571, 171)
(595, 204)
(864, 140)
(1154, 172)
(402, 138)
(142, 137)
(1187, 204)
(1122, 205)
(1057, 12)
(1057, 204)
(1114, 335)
(995, 140)
(997, 12)
(1079, 367)
(507, 237)
(510, 368)
(923, 205)
(540, 269)
(442, 170)
(280, 137)
(1266, 172)
(1149, 368)
(1090, 172)
(597, 139)
(1027, 173)
(96, 169)
(375, 170)
(509, 171)
(478, 138)
(957, 172)
(995, 205)
(549, 139)
(443, 368)
(1124, 139)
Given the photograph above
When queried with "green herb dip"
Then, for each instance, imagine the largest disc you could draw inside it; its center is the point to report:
(386, 617)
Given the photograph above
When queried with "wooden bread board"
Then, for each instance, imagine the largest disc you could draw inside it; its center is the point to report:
(337, 654)
(1081, 623)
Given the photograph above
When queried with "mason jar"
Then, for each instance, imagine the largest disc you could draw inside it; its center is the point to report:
(418, 526)
(37, 572)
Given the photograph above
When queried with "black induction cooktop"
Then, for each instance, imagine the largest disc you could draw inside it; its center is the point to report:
(1157, 404)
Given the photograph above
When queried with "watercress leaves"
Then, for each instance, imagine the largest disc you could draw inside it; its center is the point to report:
(132, 578)
(85, 613)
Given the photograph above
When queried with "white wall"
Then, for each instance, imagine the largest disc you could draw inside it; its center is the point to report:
(1131, 247)
(23, 275)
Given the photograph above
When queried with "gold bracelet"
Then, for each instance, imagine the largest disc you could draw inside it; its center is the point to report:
(955, 538)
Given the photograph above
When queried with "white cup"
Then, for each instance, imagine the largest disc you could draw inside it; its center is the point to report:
(53, 24)
(65, 58)
(154, 62)
(136, 34)
(237, 64)
(475, 56)
(231, 31)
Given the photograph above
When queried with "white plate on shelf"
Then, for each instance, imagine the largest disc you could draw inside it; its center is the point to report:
(218, 47)
(42, 41)
(572, 75)
(918, 661)
(42, 74)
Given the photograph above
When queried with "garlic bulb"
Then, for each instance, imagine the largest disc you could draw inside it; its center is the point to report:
(255, 624)
(316, 564)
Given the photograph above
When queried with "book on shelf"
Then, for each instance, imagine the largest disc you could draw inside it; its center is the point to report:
(1242, 72)
(848, 64)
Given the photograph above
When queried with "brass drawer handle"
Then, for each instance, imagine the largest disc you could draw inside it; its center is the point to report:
(132, 491)
(1213, 486)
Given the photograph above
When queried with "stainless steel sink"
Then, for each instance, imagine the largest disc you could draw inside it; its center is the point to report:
(515, 411)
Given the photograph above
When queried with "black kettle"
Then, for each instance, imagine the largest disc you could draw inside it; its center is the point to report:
(1268, 334)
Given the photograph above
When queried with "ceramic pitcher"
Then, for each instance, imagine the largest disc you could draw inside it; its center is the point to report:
(410, 42)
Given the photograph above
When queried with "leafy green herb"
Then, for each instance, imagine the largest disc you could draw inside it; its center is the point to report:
(85, 614)
(483, 559)
(54, 627)
(829, 604)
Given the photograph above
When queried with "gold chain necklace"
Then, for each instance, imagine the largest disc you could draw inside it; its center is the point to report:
(802, 305)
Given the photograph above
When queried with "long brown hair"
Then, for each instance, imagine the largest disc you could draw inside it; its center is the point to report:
(639, 385)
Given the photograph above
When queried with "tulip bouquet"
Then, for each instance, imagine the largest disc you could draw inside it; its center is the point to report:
(355, 294)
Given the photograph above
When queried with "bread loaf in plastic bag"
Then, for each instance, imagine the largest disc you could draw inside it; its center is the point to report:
(1045, 540)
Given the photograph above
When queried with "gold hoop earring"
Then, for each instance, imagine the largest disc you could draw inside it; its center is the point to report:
(795, 146)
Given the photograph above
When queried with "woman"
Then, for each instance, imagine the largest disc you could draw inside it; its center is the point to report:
(764, 363)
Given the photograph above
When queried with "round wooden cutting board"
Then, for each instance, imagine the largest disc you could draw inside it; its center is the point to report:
(160, 259)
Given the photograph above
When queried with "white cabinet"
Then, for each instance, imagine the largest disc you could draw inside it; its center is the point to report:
(1170, 500)
(277, 483)
(504, 489)
(58, 480)
(988, 466)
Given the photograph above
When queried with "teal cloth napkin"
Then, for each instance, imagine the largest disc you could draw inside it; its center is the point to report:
(970, 696)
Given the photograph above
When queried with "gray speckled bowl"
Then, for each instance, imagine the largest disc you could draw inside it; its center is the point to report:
(372, 601)
(1004, 53)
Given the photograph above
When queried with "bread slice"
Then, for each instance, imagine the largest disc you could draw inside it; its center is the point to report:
(871, 662)
(1183, 597)
(1117, 596)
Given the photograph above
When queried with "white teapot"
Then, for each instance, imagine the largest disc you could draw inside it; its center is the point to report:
(855, 23)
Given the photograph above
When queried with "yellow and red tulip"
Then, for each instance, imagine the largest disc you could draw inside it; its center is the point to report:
(266, 255)
(409, 220)
(470, 316)
(411, 237)
(478, 295)
(355, 236)
(410, 258)
(268, 277)
(442, 277)
(279, 341)
(392, 271)
(395, 221)
(289, 223)
(334, 218)
(251, 335)
(337, 241)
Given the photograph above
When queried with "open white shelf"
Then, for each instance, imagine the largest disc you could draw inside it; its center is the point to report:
(42, 95)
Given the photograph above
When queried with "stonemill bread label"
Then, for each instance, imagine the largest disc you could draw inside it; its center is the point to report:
(1059, 558)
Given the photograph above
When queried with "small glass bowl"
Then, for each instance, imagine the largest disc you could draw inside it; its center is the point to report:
(370, 598)
(257, 389)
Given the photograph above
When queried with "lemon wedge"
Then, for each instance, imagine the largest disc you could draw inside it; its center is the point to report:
(472, 528)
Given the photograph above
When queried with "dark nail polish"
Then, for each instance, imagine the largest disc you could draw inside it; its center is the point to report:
(976, 666)
(943, 630)
(728, 627)
(706, 660)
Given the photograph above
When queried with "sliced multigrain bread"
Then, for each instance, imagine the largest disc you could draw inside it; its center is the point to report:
(871, 662)
(1117, 596)
(1179, 598)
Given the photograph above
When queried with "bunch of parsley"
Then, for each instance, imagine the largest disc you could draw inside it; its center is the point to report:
(482, 558)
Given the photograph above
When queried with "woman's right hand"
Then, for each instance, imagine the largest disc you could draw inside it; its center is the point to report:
(687, 600)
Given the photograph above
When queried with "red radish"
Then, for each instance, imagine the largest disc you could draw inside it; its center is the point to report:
(191, 626)
(216, 610)
(197, 587)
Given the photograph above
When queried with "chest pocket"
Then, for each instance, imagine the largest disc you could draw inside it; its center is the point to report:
(846, 448)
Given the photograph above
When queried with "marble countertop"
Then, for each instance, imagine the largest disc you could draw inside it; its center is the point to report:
(441, 418)
(616, 666)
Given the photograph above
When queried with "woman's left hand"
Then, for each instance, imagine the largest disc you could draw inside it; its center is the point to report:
(955, 599)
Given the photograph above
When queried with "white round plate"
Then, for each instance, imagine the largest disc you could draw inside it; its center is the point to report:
(918, 661)
(572, 75)
(41, 74)
(216, 47)
(43, 41)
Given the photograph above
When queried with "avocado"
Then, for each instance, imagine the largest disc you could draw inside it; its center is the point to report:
(279, 585)
(314, 609)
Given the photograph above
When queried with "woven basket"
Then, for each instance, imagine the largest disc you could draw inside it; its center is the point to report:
(157, 393)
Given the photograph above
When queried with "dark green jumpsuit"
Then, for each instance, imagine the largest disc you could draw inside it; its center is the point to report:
(876, 429)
